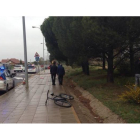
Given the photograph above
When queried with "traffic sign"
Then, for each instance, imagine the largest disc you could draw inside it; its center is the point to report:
(37, 58)
(36, 55)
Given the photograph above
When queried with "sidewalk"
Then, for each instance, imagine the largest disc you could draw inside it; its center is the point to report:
(28, 106)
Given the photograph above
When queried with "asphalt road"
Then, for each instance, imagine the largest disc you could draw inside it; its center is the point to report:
(18, 79)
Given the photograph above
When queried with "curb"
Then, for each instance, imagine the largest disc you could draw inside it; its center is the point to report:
(99, 108)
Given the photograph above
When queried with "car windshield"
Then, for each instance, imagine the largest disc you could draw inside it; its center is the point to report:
(31, 67)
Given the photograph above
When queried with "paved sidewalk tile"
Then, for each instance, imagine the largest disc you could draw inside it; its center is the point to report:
(28, 106)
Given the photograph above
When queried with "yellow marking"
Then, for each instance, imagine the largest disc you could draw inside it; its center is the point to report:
(75, 115)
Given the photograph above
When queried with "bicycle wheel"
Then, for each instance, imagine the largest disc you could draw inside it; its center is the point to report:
(63, 103)
(66, 96)
(58, 98)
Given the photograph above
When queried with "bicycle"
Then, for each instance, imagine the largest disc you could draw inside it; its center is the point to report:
(61, 99)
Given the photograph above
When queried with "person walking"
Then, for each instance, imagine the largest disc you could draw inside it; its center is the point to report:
(57, 70)
(61, 73)
(53, 71)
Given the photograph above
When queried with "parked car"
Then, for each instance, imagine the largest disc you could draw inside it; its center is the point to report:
(19, 68)
(6, 80)
(9, 69)
(32, 69)
(47, 67)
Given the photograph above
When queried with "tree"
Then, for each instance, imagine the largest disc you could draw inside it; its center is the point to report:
(76, 39)
(133, 34)
(20, 61)
(50, 39)
(41, 60)
(111, 35)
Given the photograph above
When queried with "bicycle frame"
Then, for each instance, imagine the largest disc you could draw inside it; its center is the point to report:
(54, 98)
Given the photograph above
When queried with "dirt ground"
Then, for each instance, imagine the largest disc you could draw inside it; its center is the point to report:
(88, 108)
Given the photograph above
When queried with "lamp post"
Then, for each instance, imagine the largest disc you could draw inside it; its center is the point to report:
(25, 51)
(43, 47)
(43, 54)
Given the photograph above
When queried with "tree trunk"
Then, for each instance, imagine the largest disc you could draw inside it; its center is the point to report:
(103, 61)
(86, 67)
(83, 67)
(131, 59)
(110, 75)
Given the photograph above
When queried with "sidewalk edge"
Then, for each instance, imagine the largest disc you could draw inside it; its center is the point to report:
(75, 115)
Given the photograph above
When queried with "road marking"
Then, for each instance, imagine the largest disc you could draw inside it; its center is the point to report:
(75, 115)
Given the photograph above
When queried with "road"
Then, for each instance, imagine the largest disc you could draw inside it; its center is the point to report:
(19, 78)
(20, 75)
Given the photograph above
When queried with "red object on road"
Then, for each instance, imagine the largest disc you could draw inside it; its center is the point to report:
(23, 82)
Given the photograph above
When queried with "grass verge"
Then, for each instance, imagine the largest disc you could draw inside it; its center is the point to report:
(107, 93)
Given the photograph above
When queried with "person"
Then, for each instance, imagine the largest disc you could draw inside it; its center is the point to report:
(137, 72)
(53, 71)
(57, 70)
(61, 73)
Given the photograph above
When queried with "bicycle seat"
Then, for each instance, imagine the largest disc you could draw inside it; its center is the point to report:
(52, 94)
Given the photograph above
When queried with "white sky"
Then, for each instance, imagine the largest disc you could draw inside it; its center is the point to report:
(11, 37)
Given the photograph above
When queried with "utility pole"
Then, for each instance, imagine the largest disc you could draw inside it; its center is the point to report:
(43, 55)
(25, 51)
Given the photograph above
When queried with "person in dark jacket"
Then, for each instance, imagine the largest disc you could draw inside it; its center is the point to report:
(61, 73)
(137, 72)
(57, 70)
(53, 71)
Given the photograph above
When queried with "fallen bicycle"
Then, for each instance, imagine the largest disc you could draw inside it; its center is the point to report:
(60, 99)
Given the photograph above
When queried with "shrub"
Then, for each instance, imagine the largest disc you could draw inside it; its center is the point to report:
(124, 68)
(133, 95)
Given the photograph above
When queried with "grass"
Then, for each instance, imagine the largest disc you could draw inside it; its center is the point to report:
(107, 93)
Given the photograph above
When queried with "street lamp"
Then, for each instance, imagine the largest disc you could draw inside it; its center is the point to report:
(43, 54)
(43, 46)
(25, 52)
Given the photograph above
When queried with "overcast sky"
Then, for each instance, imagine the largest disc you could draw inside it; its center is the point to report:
(11, 37)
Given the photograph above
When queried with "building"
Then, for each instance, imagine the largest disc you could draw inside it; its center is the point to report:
(12, 61)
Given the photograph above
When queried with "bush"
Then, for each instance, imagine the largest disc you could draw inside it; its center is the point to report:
(124, 68)
(132, 96)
